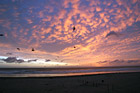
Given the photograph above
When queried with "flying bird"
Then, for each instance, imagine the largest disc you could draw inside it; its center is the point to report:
(18, 49)
(74, 47)
(1, 34)
(74, 28)
(33, 49)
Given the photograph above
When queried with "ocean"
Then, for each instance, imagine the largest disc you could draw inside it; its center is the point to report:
(56, 72)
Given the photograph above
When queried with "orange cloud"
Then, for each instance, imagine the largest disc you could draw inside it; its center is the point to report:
(53, 26)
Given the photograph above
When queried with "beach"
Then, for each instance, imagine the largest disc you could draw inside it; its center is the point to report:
(100, 83)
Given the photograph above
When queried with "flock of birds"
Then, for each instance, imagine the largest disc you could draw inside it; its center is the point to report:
(33, 48)
(47, 60)
(20, 49)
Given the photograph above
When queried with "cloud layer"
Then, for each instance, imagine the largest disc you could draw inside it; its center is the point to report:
(112, 33)
(47, 26)
(13, 60)
(17, 60)
(119, 62)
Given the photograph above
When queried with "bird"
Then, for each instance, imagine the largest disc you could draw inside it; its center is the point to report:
(18, 49)
(74, 28)
(33, 49)
(74, 47)
(1, 34)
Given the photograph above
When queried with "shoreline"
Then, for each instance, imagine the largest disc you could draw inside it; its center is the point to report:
(98, 83)
(62, 75)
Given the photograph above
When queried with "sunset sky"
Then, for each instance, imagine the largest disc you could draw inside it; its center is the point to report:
(107, 33)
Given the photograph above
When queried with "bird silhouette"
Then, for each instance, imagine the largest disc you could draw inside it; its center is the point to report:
(74, 28)
(1, 34)
(18, 49)
(33, 49)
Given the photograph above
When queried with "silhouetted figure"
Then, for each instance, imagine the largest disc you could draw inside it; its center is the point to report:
(1, 34)
(18, 49)
(73, 28)
(33, 49)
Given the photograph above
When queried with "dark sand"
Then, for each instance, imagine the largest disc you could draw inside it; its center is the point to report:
(104, 83)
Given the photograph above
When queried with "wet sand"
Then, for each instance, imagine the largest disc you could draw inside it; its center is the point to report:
(102, 83)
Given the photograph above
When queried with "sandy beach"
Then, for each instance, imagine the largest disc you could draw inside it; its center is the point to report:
(102, 83)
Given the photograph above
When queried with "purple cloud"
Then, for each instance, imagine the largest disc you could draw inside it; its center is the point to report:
(119, 61)
(32, 60)
(47, 60)
(13, 60)
(112, 33)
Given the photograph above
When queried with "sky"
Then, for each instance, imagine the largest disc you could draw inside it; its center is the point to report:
(107, 33)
